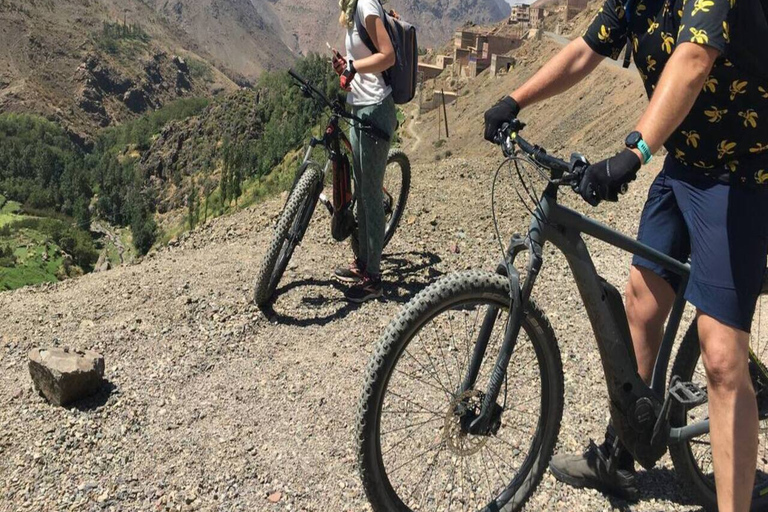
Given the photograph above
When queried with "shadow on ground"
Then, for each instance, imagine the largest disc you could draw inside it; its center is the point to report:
(93, 402)
(405, 275)
(654, 485)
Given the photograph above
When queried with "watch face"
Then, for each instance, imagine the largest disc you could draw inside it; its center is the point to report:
(633, 139)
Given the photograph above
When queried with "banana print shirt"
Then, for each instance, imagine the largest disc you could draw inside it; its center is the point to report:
(728, 124)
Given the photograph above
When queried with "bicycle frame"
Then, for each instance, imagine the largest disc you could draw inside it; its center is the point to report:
(638, 411)
(332, 140)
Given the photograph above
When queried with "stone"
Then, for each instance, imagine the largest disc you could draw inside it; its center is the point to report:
(63, 375)
(136, 100)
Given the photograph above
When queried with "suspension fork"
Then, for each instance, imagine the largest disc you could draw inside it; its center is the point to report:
(519, 299)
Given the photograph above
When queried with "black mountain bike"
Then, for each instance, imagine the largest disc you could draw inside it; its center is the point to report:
(463, 396)
(308, 187)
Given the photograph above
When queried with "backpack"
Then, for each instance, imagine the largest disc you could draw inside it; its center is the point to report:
(403, 75)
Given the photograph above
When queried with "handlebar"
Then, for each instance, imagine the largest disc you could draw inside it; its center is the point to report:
(336, 107)
(562, 172)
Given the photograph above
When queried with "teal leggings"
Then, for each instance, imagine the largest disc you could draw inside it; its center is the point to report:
(369, 161)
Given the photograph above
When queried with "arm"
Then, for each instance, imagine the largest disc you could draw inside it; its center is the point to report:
(385, 58)
(563, 71)
(679, 86)
(605, 37)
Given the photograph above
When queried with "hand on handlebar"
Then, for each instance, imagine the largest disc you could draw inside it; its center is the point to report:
(605, 180)
(503, 112)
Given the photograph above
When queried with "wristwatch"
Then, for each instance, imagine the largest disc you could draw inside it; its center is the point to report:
(635, 141)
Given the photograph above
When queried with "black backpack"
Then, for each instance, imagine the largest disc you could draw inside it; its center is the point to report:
(403, 75)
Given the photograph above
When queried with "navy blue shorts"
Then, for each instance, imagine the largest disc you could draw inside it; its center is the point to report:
(724, 231)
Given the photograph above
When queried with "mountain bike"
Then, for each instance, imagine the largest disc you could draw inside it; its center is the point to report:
(463, 395)
(307, 191)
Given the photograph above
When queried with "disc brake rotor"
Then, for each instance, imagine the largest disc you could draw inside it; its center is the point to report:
(458, 441)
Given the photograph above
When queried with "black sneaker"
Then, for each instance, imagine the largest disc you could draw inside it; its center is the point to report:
(367, 289)
(350, 274)
(591, 470)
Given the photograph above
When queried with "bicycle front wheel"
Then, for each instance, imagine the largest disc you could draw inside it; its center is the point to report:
(289, 231)
(414, 452)
(693, 459)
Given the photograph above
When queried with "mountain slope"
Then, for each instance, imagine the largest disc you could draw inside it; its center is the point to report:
(241, 35)
(308, 24)
(93, 63)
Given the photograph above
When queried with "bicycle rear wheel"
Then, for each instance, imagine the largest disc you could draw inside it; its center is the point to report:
(397, 186)
(289, 231)
(413, 452)
(693, 459)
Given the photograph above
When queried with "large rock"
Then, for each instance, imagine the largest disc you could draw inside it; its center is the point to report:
(63, 375)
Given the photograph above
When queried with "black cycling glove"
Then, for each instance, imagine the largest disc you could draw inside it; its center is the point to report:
(604, 180)
(503, 112)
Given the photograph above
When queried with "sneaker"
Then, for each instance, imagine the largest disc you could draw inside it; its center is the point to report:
(591, 470)
(350, 274)
(367, 289)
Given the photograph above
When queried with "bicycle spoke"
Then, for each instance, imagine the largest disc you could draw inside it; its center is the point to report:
(441, 390)
(401, 466)
(496, 467)
(487, 476)
(414, 403)
(398, 429)
(436, 379)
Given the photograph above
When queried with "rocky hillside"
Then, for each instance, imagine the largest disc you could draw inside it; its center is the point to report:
(244, 36)
(93, 63)
(249, 36)
(435, 19)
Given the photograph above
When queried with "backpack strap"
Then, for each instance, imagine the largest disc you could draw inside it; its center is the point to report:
(628, 6)
(368, 42)
(363, 33)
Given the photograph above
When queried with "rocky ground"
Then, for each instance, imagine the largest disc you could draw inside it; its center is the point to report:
(211, 406)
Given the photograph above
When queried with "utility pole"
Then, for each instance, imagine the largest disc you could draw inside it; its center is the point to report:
(445, 114)
(439, 121)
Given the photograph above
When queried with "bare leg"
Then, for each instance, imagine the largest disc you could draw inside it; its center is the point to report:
(649, 299)
(732, 406)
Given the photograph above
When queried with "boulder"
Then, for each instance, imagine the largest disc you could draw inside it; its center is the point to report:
(180, 64)
(63, 375)
(136, 100)
(182, 82)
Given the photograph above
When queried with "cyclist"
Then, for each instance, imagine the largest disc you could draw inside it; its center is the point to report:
(360, 74)
(709, 108)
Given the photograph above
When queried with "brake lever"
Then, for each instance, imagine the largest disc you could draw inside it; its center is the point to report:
(504, 140)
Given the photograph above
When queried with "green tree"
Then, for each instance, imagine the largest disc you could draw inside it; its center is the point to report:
(193, 206)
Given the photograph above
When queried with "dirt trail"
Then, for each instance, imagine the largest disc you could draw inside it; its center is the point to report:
(414, 134)
(214, 408)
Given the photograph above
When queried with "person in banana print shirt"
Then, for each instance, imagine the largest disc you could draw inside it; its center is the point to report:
(704, 65)
(728, 123)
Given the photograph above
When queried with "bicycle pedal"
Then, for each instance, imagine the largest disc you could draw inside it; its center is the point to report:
(688, 393)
